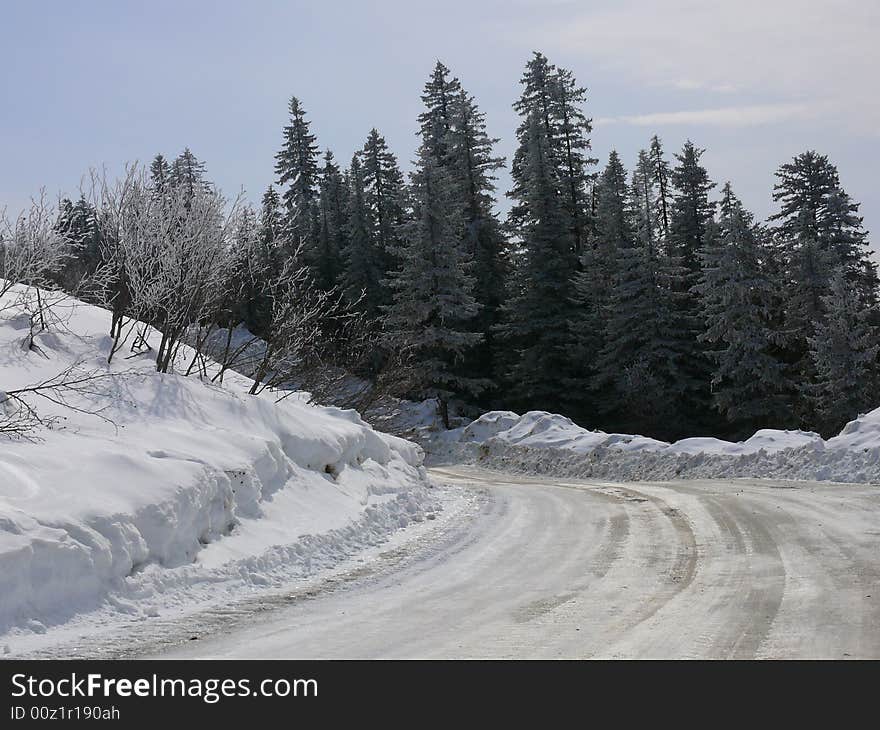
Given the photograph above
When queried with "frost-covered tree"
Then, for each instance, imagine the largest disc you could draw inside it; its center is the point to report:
(33, 251)
(433, 300)
(750, 386)
(168, 257)
(843, 350)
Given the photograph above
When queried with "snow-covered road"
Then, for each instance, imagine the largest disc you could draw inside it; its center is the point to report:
(561, 568)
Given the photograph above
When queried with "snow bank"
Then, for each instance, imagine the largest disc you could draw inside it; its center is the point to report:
(177, 480)
(539, 442)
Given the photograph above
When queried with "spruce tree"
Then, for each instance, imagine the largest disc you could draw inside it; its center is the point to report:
(691, 211)
(637, 381)
(644, 203)
(270, 255)
(593, 284)
(750, 387)
(548, 219)
(660, 182)
(453, 130)
(843, 350)
(79, 226)
(433, 299)
(817, 232)
(332, 226)
(435, 122)
(188, 173)
(552, 95)
(160, 174)
(690, 219)
(474, 166)
(384, 195)
(364, 278)
(537, 313)
(296, 165)
(573, 140)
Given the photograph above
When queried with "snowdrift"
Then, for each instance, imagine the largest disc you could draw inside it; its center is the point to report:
(177, 483)
(539, 442)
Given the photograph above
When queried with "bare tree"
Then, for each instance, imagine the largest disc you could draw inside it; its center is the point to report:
(31, 252)
(169, 254)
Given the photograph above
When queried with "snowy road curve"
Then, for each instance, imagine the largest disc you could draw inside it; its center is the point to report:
(562, 568)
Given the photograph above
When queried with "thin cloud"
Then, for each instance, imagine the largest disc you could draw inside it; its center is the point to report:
(733, 116)
(785, 50)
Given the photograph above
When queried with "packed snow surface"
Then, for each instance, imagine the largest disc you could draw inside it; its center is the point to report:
(154, 488)
(540, 442)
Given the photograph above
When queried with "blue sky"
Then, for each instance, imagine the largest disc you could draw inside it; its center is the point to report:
(101, 82)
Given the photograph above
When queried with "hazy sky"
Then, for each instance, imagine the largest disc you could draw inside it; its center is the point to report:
(96, 83)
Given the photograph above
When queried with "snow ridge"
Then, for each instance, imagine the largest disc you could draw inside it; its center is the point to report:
(180, 486)
(545, 443)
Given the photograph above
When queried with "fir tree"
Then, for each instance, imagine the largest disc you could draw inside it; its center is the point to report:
(638, 379)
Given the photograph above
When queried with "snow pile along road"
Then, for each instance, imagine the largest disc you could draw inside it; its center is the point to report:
(179, 489)
(547, 443)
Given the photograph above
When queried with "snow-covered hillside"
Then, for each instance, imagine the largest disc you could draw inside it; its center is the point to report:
(547, 443)
(151, 484)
